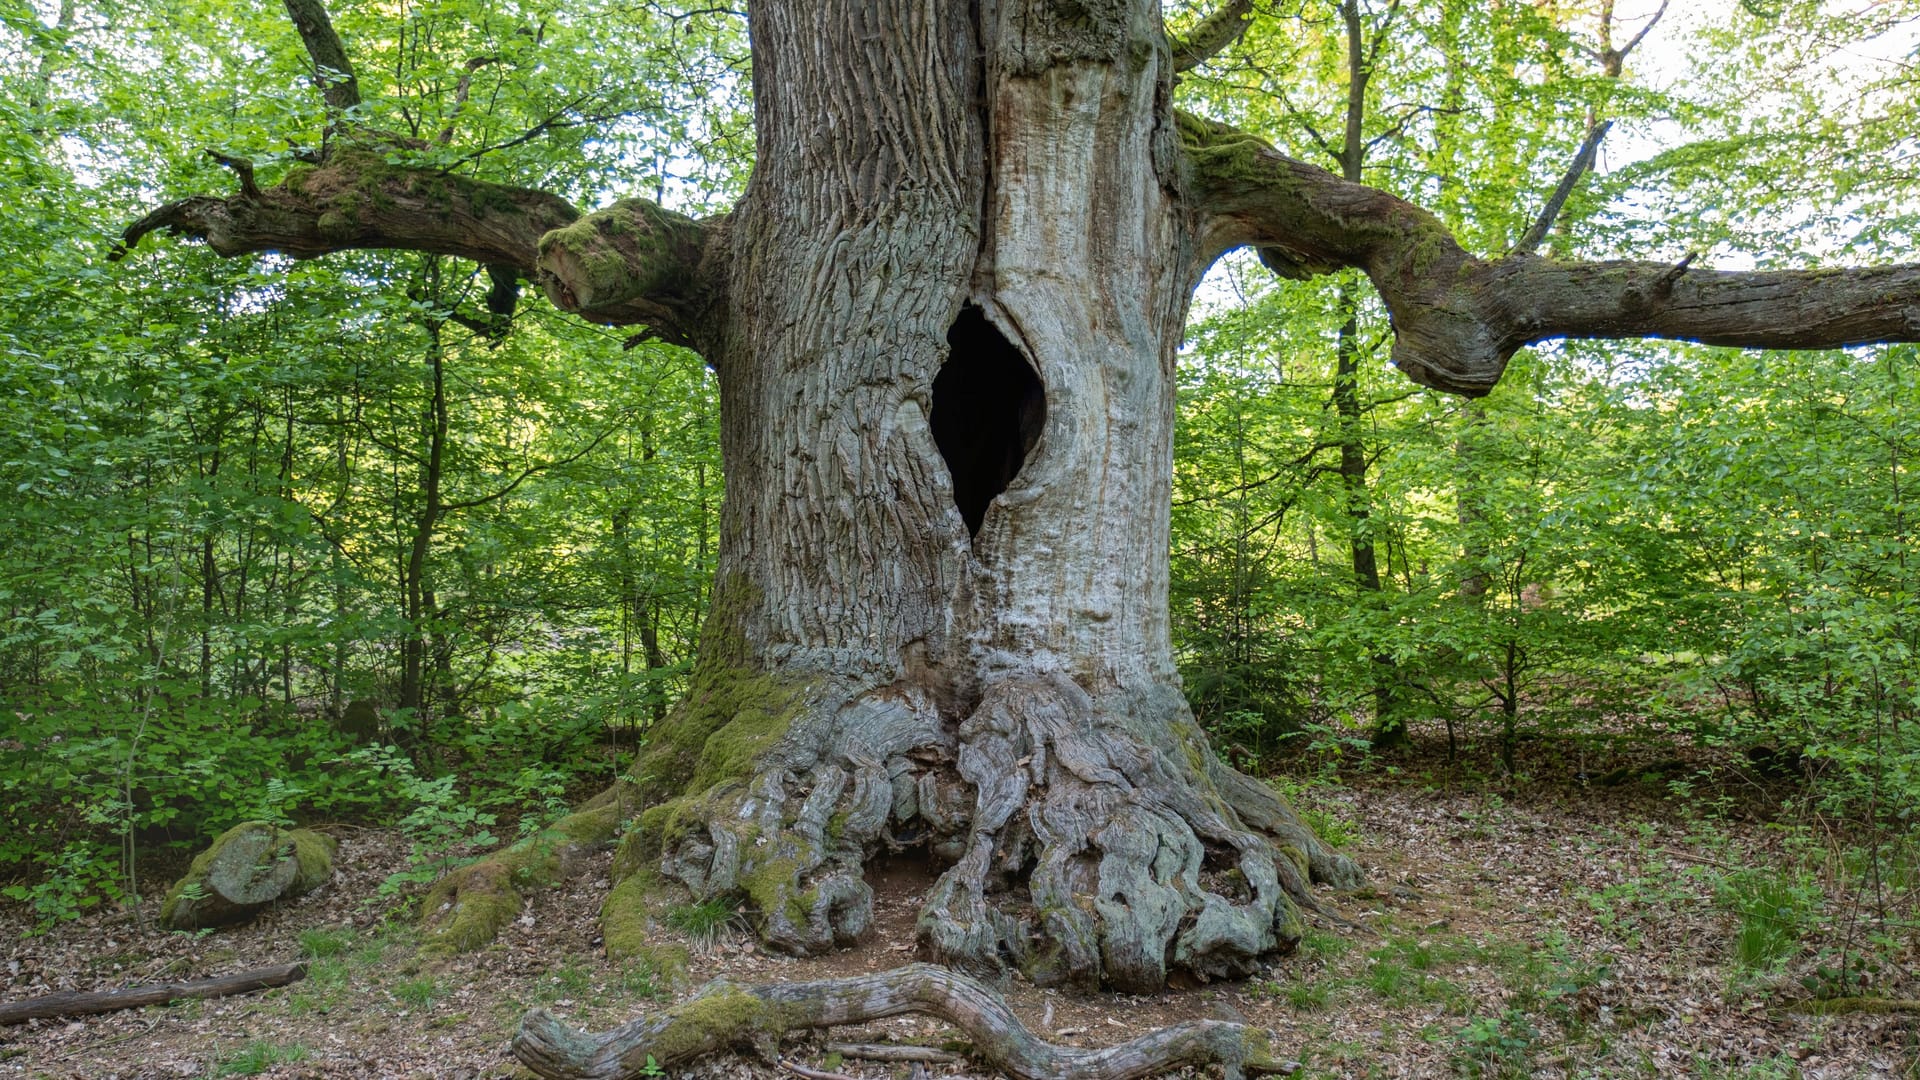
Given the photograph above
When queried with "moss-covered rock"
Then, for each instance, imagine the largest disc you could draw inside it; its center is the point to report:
(246, 869)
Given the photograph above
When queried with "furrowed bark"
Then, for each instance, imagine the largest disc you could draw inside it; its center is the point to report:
(1458, 319)
(727, 1016)
(633, 262)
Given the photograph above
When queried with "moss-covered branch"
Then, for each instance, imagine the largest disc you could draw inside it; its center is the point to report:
(1457, 319)
(726, 1016)
(1212, 35)
(631, 263)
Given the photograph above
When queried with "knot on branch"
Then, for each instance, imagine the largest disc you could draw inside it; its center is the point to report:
(632, 250)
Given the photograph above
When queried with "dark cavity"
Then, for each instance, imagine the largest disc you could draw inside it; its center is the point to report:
(988, 409)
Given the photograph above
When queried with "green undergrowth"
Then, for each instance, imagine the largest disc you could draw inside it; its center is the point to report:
(257, 1057)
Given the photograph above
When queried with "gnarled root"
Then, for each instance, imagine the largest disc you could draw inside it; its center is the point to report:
(1139, 850)
(1092, 839)
(467, 908)
(728, 1016)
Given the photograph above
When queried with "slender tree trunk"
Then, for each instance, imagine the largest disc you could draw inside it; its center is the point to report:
(415, 591)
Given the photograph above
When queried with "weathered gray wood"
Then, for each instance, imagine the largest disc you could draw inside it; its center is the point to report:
(727, 1016)
(86, 1002)
(893, 1052)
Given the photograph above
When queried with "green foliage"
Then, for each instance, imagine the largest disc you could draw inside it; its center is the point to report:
(418, 992)
(257, 1057)
(439, 824)
(319, 944)
(1775, 910)
(707, 921)
(213, 474)
(78, 876)
(1496, 1047)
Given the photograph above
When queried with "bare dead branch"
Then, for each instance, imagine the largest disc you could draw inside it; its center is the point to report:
(1582, 162)
(1612, 60)
(728, 1016)
(894, 1052)
(798, 1069)
(1213, 35)
(86, 1002)
(1457, 319)
(461, 91)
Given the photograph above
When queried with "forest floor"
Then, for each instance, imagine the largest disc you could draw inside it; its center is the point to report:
(1553, 931)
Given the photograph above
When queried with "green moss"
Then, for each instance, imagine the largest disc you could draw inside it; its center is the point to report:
(491, 199)
(770, 887)
(297, 178)
(314, 852)
(196, 876)
(467, 908)
(626, 917)
(724, 1016)
(1227, 151)
(727, 719)
(624, 251)
(1256, 1049)
(1290, 928)
(338, 221)
(1296, 855)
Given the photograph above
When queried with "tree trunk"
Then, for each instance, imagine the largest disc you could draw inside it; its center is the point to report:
(941, 619)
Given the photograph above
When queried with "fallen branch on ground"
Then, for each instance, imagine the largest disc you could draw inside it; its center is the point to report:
(798, 1069)
(727, 1016)
(85, 1002)
(893, 1052)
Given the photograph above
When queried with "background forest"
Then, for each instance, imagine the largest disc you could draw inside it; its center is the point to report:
(327, 541)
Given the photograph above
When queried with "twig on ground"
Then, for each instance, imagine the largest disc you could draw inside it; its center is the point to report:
(893, 1052)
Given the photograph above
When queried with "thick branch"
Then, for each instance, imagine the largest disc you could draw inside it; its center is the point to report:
(630, 263)
(726, 1016)
(1213, 35)
(1457, 319)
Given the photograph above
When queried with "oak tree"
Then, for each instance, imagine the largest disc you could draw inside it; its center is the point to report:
(944, 318)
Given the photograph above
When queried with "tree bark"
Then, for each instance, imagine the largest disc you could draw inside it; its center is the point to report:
(88, 1002)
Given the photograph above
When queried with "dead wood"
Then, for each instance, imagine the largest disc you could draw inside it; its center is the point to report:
(893, 1052)
(87, 1002)
(727, 1016)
